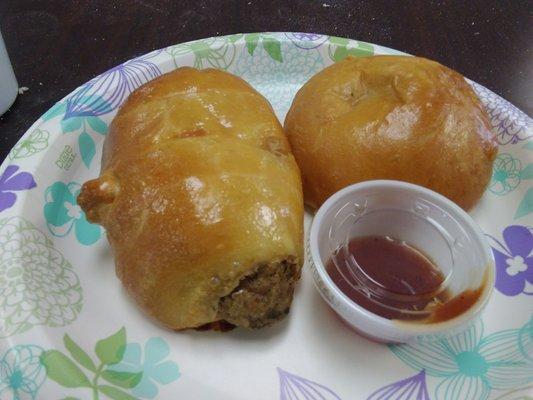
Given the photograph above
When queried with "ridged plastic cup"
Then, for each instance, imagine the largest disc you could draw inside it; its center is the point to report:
(422, 218)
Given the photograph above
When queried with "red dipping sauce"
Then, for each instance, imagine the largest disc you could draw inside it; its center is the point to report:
(392, 279)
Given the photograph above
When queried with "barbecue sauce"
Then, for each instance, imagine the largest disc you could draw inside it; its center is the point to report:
(394, 279)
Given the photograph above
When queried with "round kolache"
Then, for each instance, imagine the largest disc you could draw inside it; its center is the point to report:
(391, 117)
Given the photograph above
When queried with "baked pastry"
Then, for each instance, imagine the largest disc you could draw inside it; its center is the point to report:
(202, 202)
(391, 117)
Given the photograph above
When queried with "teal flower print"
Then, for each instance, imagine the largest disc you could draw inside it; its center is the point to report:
(62, 213)
(21, 373)
(468, 365)
(525, 340)
(517, 394)
(81, 115)
(153, 367)
(505, 174)
(526, 205)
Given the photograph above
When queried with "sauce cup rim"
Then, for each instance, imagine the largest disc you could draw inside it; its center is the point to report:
(404, 327)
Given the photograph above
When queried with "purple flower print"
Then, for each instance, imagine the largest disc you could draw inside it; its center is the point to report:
(294, 387)
(107, 91)
(412, 388)
(11, 182)
(306, 41)
(514, 260)
(307, 36)
(509, 123)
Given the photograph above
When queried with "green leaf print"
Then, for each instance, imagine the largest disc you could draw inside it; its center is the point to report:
(234, 38)
(62, 369)
(251, 39)
(111, 350)
(87, 148)
(125, 380)
(122, 367)
(527, 172)
(78, 354)
(114, 393)
(71, 124)
(97, 125)
(340, 53)
(526, 205)
(273, 48)
(339, 41)
(363, 49)
(271, 45)
(340, 48)
(55, 111)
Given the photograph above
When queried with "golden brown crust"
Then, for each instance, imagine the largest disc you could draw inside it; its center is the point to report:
(391, 117)
(198, 188)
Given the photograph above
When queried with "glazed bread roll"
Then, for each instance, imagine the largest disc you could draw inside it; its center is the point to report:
(391, 117)
(202, 202)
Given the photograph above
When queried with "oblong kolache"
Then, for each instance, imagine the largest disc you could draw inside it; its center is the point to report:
(202, 202)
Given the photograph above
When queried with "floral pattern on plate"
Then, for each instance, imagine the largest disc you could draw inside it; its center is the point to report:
(154, 366)
(340, 48)
(506, 174)
(412, 388)
(38, 286)
(105, 372)
(306, 41)
(264, 70)
(216, 52)
(514, 260)
(36, 141)
(40, 291)
(511, 124)
(294, 387)
(62, 213)
(82, 116)
(108, 91)
(13, 181)
(21, 373)
(470, 365)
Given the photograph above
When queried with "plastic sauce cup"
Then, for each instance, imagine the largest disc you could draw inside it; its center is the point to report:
(422, 218)
(8, 82)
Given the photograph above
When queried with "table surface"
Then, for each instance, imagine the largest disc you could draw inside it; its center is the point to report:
(56, 46)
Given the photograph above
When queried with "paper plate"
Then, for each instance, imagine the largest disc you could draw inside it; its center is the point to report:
(69, 331)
